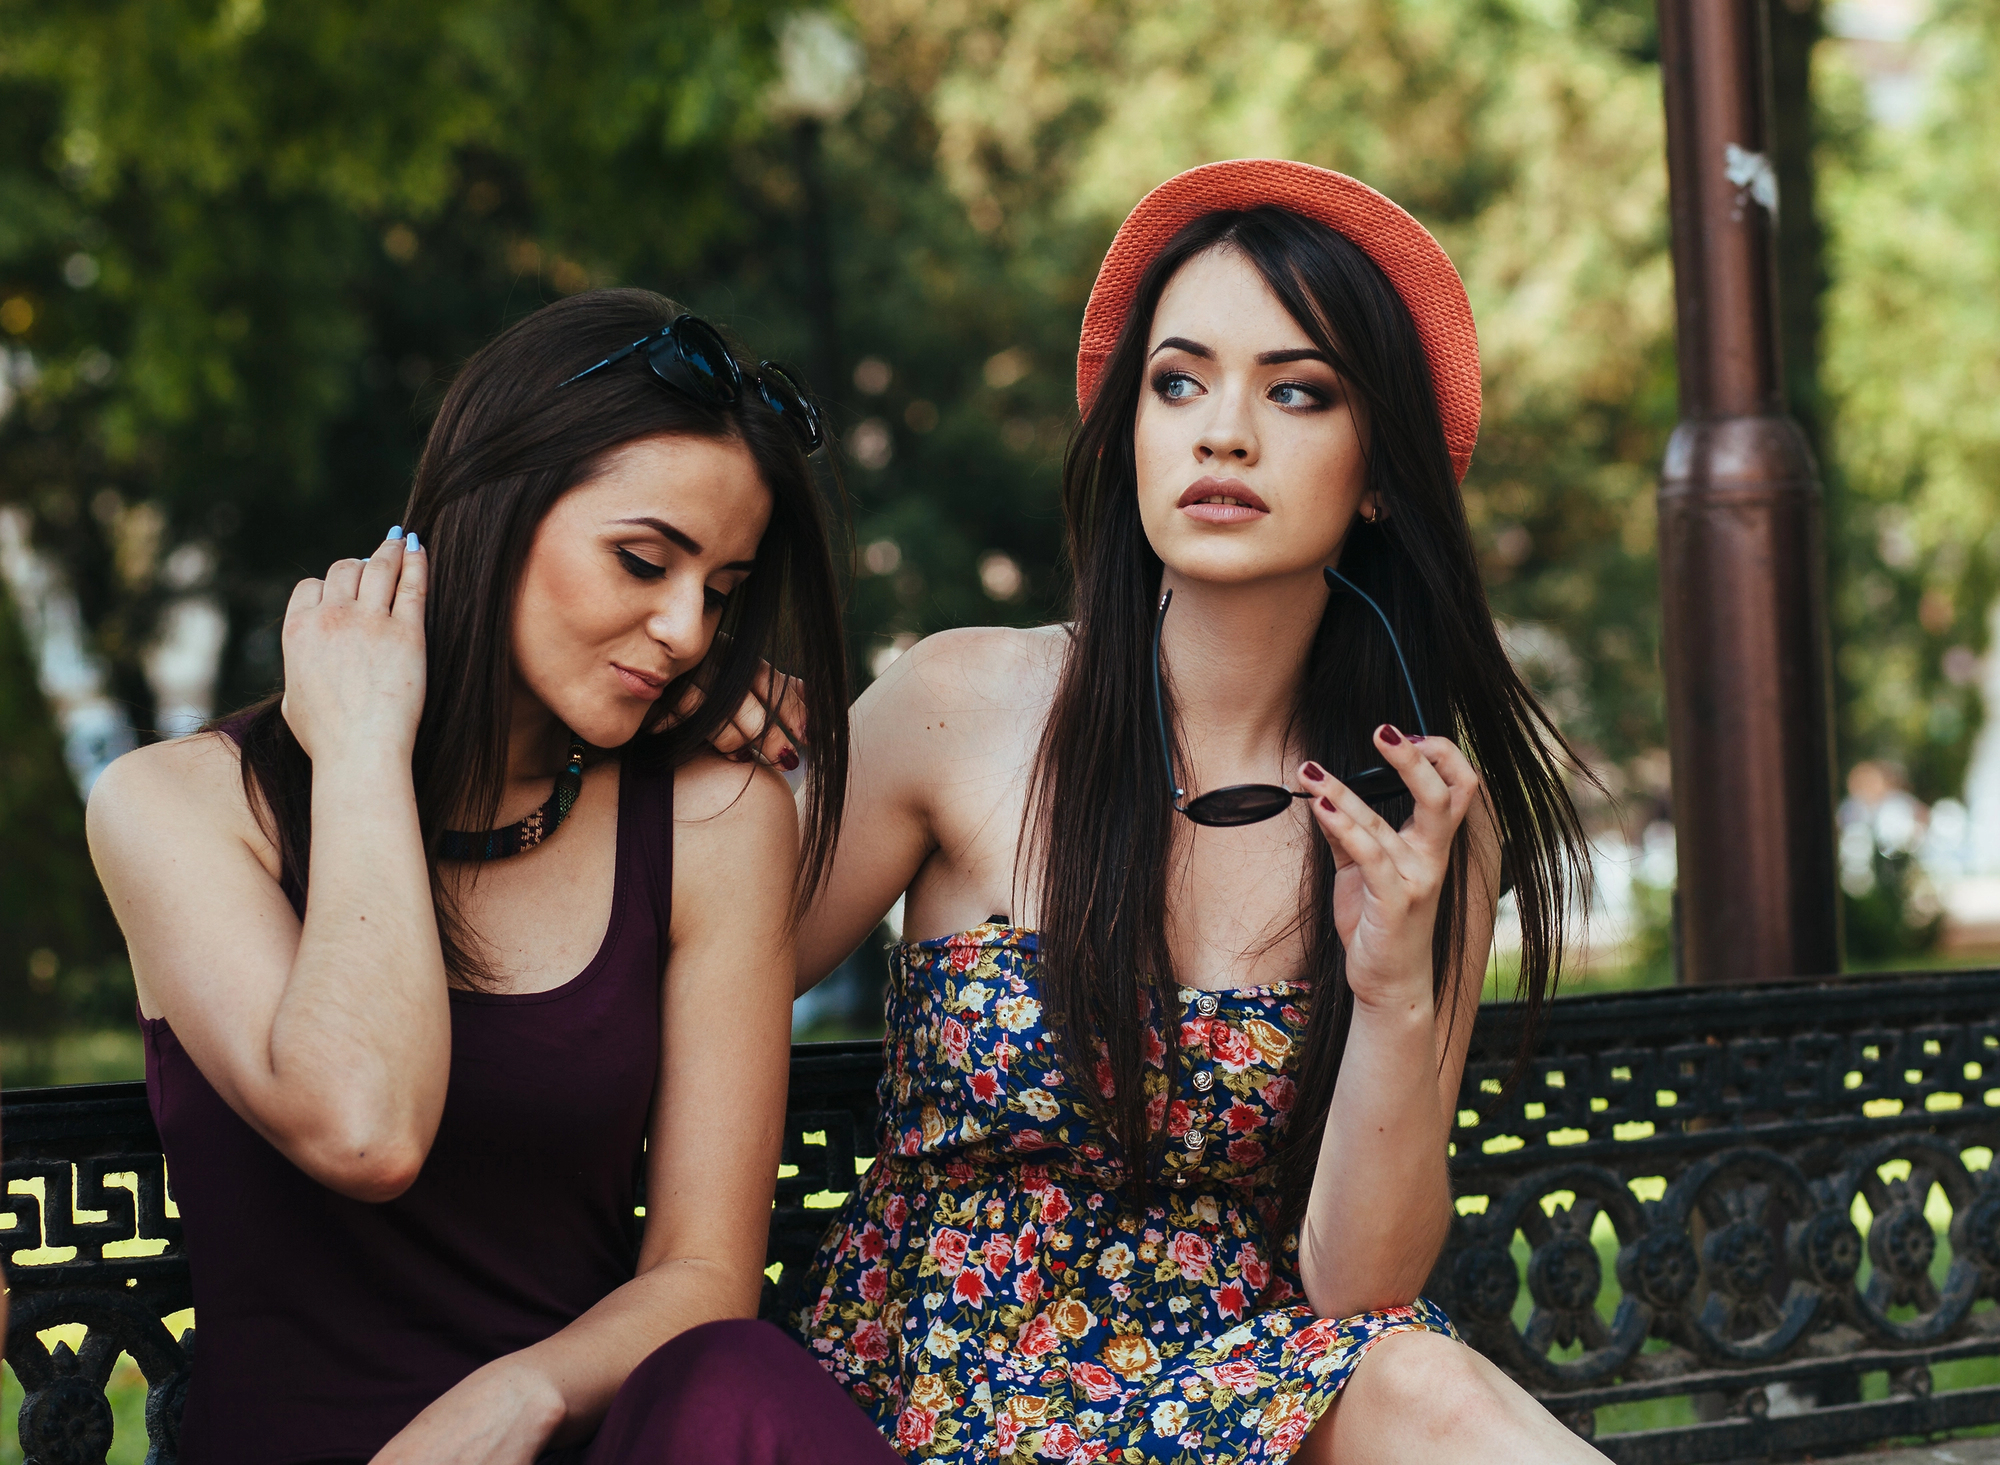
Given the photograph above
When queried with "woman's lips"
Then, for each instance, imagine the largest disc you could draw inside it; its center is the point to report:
(1222, 501)
(641, 685)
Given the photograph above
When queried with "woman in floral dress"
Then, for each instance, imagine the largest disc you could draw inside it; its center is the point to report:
(1122, 1210)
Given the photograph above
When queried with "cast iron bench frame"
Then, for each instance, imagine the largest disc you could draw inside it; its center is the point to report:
(1722, 1135)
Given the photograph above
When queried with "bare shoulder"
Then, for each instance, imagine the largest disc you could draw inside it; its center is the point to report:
(191, 786)
(989, 677)
(720, 801)
(735, 853)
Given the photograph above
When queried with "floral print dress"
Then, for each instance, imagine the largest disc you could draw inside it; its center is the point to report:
(987, 1294)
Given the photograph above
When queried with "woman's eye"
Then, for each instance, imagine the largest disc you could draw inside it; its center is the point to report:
(1297, 394)
(716, 599)
(1175, 386)
(640, 567)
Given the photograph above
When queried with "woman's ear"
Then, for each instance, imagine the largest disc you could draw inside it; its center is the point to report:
(1371, 509)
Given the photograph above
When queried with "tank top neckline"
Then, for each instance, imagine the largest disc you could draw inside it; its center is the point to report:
(623, 855)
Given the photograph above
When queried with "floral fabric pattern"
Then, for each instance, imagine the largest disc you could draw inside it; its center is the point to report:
(989, 1293)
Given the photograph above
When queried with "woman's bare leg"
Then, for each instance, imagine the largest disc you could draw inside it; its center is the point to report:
(1422, 1396)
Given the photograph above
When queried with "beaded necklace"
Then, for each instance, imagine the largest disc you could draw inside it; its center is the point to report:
(525, 834)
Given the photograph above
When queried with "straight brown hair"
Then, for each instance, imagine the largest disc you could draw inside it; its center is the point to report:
(505, 446)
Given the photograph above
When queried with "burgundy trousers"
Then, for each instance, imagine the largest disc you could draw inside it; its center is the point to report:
(734, 1393)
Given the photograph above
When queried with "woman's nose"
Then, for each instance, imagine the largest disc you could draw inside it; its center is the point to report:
(1227, 432)
(680, 623)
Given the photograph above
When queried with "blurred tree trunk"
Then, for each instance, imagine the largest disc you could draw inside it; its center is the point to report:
(57, 938)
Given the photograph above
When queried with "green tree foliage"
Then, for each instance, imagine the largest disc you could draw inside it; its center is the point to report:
(253, 241)
(1913, 375)
(244, 245)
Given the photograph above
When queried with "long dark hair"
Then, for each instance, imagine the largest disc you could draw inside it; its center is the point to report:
(505, 446)
(1100, 826)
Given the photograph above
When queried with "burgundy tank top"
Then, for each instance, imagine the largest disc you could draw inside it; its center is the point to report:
(325, 1324)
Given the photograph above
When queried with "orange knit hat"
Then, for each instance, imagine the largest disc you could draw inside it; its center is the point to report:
(1401, 247)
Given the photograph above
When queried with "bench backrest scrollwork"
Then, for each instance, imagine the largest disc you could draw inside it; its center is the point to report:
(1754, 1197)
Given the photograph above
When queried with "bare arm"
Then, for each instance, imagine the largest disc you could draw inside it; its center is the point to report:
(712, 1151)
(886, 834)
(1380, 1205)
(332, 1039)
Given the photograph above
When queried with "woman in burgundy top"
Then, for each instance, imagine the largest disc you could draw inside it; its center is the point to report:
(430, 947)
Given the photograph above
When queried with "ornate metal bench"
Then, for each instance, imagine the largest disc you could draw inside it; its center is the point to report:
(1763, 1198)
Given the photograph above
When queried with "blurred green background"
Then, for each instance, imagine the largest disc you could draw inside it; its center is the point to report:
(243, 247)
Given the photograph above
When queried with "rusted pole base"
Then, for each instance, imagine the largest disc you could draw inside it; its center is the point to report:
(1745, 655)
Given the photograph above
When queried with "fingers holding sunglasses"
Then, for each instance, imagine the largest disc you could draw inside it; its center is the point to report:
(1348, 822)
(1441, 779)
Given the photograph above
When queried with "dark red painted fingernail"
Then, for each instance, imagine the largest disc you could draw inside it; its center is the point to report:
(1390, 735)
(787, 759)
(1315, 772)
(1327, 804)
(1416, 737)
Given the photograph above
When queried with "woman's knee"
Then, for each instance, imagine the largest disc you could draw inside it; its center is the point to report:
(740, 1391)
(735, 1359)
(1434, 1384)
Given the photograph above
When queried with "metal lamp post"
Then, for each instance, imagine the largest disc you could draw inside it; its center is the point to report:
(1742, 544)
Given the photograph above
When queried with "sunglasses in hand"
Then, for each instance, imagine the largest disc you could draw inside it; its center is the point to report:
(1252, 803)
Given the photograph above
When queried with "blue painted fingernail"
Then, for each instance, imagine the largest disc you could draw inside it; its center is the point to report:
(395, 531)
(411, 546)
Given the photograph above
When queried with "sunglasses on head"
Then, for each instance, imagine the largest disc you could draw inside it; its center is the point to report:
(689, 356)
(1252, 803)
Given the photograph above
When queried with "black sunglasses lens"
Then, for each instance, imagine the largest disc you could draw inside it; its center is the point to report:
(694, 358)
(1245, 803)
(783, 395)
(1382, 789)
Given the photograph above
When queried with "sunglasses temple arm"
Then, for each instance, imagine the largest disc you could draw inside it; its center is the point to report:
(1159, 700)
(613, 358)
(1396, 646)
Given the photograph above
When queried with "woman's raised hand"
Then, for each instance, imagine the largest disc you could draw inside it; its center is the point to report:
(354, 653)
(757, 729)
(1387, 881)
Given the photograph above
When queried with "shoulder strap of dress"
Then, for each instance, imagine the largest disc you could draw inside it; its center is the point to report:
(648, 802)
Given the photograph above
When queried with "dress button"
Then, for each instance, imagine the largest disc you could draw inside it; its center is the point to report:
(1206, 1004)
(1196, 1139)
(1204, 1080)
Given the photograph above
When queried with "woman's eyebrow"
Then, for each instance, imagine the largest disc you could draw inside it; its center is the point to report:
(684, 541)
(1264, 358)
